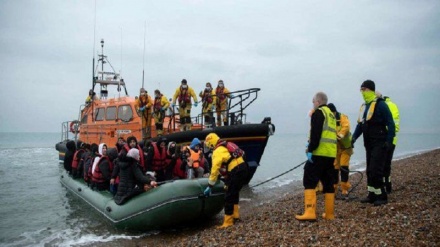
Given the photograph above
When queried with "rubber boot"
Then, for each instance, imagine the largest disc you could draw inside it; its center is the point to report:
(329, 206)
(236, 214)
(229, 221)
(370, 198)
(381, 199)
(309, 206)
(345, 186)
(388, 186)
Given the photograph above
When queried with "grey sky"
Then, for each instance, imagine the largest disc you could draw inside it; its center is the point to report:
(289, 49)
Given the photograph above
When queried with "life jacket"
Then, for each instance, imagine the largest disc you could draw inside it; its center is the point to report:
(77, 158)
(178, 171)
(157, 103)
(143, 101)
(141, 156)
(220, 95)
(346, 140)
(184, 97)
(369, 114)
(97, 174)
(159, 158)
(233, 150)
(196, 157)
(207, 97)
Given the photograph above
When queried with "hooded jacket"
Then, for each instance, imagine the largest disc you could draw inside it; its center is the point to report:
(68, 157)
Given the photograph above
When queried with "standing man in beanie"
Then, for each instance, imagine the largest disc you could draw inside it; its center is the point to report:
(321, 153)
(376, 124)
(390, 152)
(183, 94)
(344, 152)
(144, 105)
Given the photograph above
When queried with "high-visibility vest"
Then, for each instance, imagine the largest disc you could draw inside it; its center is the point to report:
(396, 117)
(327, 144)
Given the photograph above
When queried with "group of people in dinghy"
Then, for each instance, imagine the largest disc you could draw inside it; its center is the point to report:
(131, 168)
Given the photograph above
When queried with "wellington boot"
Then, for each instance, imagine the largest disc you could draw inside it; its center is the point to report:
(369, 199)
(345, 186)
(229, 221)
(309, 206)
(329, 206)
(236, 214)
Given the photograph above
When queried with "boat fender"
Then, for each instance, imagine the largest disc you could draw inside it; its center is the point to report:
(74, 127)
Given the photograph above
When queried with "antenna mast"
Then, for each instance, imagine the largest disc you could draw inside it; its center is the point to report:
(143, 60)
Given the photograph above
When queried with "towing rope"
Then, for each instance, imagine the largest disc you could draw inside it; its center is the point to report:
(270, 179)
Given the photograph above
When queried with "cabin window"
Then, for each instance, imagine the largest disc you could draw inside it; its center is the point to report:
(99, 114)
(125, 113)
(84, 119)
(111, 113)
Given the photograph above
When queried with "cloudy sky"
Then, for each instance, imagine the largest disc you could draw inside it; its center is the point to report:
(290, 49)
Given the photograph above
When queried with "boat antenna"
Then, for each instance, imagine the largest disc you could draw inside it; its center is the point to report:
(143, 59)
(120, 69)
(94, 41)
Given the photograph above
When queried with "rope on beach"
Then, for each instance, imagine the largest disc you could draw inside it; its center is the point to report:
(270, 179)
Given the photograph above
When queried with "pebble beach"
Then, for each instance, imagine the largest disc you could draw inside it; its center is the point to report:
(409, 219)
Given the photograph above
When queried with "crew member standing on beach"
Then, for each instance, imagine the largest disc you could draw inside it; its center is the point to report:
(183, 94)
(143, 105)
(321, 153)
(376, 124)
(390, 152)
(228, 155)
(342, 160)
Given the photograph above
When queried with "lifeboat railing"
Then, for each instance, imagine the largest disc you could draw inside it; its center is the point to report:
(237, 103)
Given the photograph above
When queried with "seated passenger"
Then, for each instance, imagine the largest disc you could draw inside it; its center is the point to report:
(194, 159)
(132, 143)
(101, 175)
(77, 159)
(179, 168)
(157, 158)
(120, 144)
(132, 180)
(88, 162)
(68, 157)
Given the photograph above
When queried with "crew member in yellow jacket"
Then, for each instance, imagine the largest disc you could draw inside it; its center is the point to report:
(144, 106)
(160, 105)
(390, 152)
(183, 95)
(222, 94)
(228, 156)
(208, 99)
(344, 152)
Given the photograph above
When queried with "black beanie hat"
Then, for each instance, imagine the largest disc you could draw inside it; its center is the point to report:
(332, 107)
(184, 81)
(369, 84)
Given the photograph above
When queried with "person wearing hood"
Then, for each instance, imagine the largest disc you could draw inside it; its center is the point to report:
(156, 158)
(68, 157)
(376, 124)
(195, 159)
(132, 180)
(208, 102)
(321, 152)
(103, 168)
(183, 95)
(222, 95)
(144, 106)
(132, 143)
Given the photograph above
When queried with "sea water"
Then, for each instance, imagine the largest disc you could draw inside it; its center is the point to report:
(36, 210)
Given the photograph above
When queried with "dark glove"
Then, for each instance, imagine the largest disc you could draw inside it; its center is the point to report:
(352, 143)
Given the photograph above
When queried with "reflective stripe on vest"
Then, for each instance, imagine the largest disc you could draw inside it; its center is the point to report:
(327, 143)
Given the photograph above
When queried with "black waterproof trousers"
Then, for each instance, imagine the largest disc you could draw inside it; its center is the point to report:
(321, 169)
(233, 184)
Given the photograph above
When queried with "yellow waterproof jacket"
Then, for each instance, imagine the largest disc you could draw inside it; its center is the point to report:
(144, 101)
(220, 156)
(190, 93)
(205, 99)
(396, 117)
(164, 103)
(343, 131)
(222, 95)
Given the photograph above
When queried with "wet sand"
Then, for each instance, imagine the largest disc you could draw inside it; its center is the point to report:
(409, 219)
